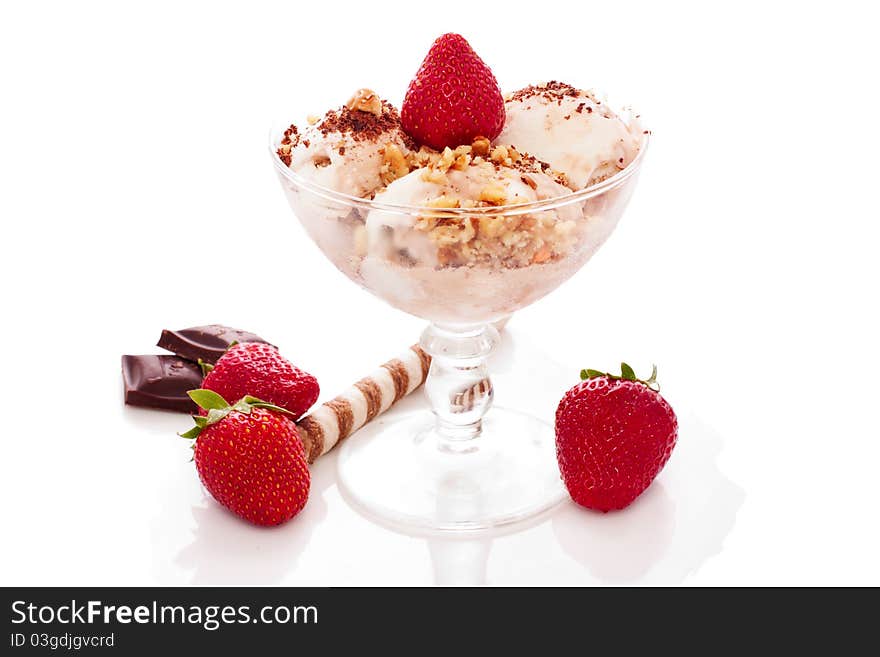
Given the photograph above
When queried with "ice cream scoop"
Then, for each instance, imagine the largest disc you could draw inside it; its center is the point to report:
(438, 240)
(572, 130)
(355, 150)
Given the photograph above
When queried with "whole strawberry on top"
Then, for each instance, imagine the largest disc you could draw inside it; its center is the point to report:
(250, 458)
(453, 98)
(613, 436)
(256, 368)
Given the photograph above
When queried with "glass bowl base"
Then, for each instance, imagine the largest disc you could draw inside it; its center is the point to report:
(401, 471)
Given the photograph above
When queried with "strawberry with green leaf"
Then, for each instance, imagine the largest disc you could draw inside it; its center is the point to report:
(249, 456)
(614, 433)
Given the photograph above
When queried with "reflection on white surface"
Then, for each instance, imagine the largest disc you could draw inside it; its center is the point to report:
(460, 562)
(622, 546)
(667, 534)
(227, 549)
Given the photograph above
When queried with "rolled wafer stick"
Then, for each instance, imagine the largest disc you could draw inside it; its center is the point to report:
(338, 418)
(464, 401)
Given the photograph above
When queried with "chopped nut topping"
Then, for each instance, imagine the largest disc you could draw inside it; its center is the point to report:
(541, 255)
(312, 119)
(494, 193)
(507, 241)
(424, 157)
(499, 154)
(447, 157)
(453, 232)
(394, 164)
(431, 175)
(443, 202)
(365, 100)
(480, 146)
(493, 226)
(458, 159)
(462, 160)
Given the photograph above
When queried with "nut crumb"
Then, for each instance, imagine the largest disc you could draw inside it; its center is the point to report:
(447, 157)
(499, 154)
(394, 164)
(431, 175)
(480, 147)
(541, 256)
(444, 201)
(462, 161)
(365, 100)
(494, 193)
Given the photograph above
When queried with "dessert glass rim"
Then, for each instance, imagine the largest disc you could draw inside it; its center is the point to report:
(507, 210)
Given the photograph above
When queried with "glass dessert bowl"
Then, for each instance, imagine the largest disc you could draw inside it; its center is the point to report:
(461, 269)
(444, 210)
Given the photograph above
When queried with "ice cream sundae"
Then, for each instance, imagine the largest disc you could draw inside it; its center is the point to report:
(462, 207)
(466, 211)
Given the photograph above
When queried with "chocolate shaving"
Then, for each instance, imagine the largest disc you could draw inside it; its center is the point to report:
(289, 141)
(359, 125)
(553, 91)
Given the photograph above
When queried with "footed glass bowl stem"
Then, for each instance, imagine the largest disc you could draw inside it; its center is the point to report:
(458, 385)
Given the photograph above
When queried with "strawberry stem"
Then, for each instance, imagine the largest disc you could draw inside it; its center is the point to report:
(218, 408)
(626, 373)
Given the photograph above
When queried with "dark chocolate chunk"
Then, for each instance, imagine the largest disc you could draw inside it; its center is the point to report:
(207, 343)
(160, 382)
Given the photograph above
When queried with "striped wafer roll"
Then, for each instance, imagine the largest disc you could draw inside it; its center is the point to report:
(338, 418)
(464, 401)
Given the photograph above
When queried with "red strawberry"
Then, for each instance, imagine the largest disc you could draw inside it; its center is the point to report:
(256, 368)
(453, 98)
(250, 458)
(613, 436)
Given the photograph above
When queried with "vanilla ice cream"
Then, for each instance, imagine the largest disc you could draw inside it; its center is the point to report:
(355, 150)
(462, 239)
(570, 129)
(451, 235)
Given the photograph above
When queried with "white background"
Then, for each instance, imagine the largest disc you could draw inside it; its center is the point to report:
(136, 193)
